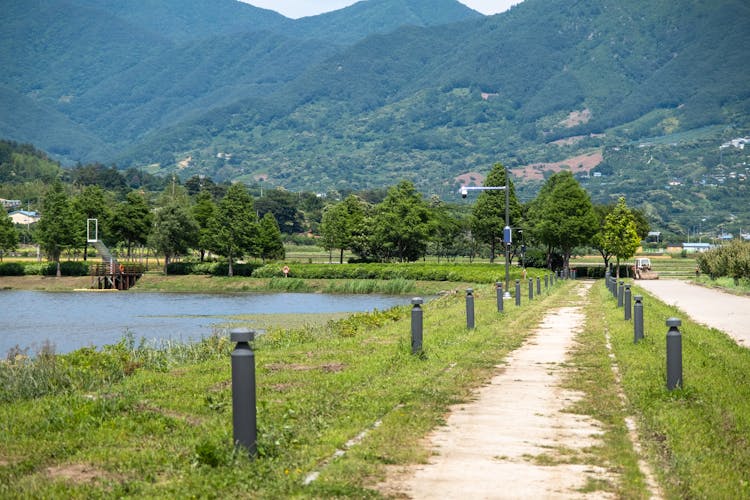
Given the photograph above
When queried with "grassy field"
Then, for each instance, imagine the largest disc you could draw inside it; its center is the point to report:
(133, 421)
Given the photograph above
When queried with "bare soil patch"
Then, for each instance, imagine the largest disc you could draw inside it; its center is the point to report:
(470, 179)
(576, 164)
(79, 473)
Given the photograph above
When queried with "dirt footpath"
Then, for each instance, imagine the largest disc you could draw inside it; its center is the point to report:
(726, 312)
(505, 443)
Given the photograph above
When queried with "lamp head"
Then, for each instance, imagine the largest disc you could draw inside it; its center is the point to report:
(464, 192)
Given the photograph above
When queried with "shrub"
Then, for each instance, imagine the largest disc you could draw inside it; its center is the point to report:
(11, 269)
(731, 260)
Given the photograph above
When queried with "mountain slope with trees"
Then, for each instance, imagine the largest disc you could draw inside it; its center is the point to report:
(423, 91)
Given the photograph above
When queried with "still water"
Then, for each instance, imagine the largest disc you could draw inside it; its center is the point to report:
(79, 319)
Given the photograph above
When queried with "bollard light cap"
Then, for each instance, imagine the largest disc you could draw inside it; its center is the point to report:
(241, 335)
(674, 322)
(638, 298)
(469, 291)
(417, 300)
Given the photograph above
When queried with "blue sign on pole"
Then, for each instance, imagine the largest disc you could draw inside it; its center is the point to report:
(507, 235)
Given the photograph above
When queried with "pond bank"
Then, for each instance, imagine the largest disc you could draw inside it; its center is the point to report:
(197, 283)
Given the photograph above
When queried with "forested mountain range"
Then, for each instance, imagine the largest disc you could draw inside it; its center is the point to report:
(425, 90)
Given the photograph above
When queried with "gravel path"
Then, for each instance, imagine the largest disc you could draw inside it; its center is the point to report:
(504, 444)
(726, 312)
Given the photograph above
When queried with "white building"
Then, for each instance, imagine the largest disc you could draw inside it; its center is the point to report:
(24, 217)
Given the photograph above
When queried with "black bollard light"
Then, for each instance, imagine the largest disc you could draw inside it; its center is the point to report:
(546, 281)
(518, 292)
(243, 390)
(469, 308)
(607, 280)
(620, 290)
(538, 285)
(674, 354)
(499, 287)
(627, 302)
(638, 319)
(416, 325)
(531, 289)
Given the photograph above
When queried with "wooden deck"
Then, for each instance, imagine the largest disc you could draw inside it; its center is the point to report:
(115, 276)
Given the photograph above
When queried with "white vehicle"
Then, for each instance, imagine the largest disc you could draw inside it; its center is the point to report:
(642, 269)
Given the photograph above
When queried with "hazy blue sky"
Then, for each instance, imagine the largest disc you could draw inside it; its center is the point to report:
(302, 8)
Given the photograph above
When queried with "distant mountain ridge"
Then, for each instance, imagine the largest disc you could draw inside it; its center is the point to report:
(385, 89)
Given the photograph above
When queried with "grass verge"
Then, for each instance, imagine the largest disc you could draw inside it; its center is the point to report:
(698, 435)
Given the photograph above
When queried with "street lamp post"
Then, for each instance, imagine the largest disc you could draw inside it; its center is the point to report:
(507, 233)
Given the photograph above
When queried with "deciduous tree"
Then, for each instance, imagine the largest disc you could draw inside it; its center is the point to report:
(174, 231)
(270, 245)
(402, 224)
(234, 228)
(562, 216)
(131, 220)
(620, 233)
(341, 223)
(56, 227)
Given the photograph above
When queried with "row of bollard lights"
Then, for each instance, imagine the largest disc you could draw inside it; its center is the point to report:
(244, 405)
(416, 312)
(622, 293)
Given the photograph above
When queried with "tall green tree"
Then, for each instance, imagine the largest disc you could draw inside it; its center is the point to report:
(174, 232)
(270, 244)
(620, 233)
(402, 224)
(55, 230)
(203, 211)
(562, 216)
(8, 235)
(131, 220)
(488, 214)
(449, 230)
(234, 227)
(341, 223)
(597, 241)
(91, 203)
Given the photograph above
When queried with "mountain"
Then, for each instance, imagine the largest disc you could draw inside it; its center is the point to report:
(362, 19)
(117, 70)
(545, 81)
(389, 89)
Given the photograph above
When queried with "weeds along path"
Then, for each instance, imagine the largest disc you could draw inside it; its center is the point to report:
(515, 440)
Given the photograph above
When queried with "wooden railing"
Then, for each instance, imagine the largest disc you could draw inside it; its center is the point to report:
(115, 276)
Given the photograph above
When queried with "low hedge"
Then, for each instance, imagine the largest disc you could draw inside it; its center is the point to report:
(67, 268)
(212, 268)
(474, 273)
(11, 269)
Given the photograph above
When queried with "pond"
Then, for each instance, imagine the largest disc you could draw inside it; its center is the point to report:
(69, 321)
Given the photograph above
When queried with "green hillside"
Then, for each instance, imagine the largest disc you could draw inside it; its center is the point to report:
(641, 93)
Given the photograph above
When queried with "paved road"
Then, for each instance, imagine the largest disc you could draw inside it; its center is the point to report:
(726, 312)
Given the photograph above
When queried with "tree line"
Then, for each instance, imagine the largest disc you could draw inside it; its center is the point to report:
(202, 218)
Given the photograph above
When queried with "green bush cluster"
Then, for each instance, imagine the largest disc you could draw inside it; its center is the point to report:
(731, 260)
(11, 269)
(67, 268)
(212, 268)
